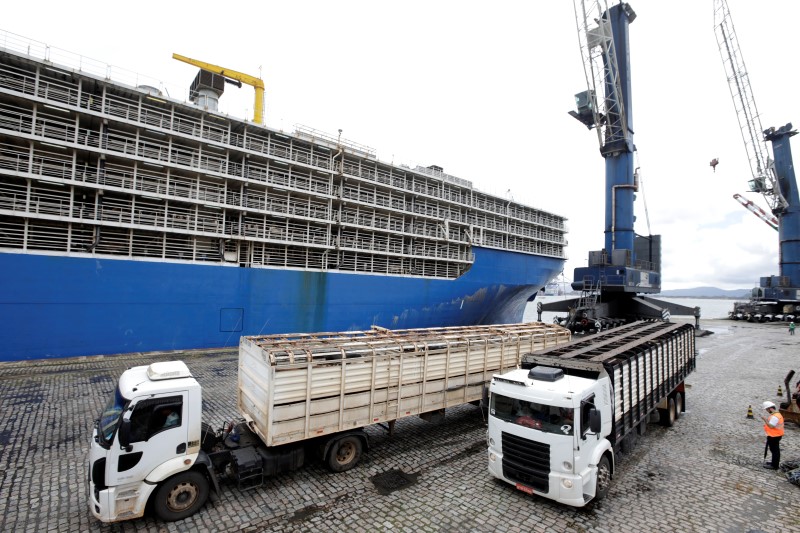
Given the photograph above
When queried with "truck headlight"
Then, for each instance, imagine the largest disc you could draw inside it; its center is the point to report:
(492, 457)
(491, 441)
(567, 466)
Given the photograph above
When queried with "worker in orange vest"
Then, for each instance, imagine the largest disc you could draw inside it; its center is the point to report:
(773, 427)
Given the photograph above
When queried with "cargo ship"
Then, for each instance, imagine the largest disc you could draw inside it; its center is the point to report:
(132, 221)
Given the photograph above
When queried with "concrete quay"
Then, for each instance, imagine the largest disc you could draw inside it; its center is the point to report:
(703, 474)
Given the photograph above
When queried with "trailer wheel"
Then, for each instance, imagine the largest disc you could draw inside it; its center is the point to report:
(603, 480)
(181, 496)
(678, 405)
(667, 416)
(344, 454)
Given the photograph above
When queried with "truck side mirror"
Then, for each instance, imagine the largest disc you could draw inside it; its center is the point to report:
(124, 432)
(595, 421)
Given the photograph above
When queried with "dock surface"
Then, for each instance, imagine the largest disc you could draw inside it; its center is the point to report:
(703, 474)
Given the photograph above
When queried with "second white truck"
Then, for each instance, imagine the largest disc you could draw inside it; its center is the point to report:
(556, 424)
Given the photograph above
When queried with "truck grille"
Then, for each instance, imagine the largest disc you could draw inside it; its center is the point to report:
(526, 462)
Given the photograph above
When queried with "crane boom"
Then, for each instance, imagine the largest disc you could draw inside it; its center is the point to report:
(256, 83)
(761, 165)
(770, 220)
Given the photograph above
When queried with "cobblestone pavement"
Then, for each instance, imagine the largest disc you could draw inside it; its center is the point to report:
(704, 474)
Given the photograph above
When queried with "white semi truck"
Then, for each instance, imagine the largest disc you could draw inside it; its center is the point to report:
(556, 424)
(299, 396)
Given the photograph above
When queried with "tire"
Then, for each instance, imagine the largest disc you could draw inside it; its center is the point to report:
(603, 479)
(667, 416)
(344, 453)
(180, 496)
(678, 405)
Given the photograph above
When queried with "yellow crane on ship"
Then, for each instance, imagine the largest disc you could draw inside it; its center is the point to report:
(230, 76)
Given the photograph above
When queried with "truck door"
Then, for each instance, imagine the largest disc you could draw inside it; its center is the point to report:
(158, 432)
(587, 404)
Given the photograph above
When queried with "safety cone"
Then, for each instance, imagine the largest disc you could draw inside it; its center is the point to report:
(780, 391)
(750, 411)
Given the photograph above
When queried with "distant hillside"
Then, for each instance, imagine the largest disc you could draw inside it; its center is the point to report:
(707, 292)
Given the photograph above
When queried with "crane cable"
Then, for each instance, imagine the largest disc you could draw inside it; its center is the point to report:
(637, 166)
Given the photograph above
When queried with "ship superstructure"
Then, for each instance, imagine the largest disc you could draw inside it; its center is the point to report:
(132, 221)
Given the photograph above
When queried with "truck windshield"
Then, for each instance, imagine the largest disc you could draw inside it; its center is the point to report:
(547, 418)
(110, 417)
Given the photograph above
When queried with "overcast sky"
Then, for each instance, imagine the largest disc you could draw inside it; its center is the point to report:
(483, 90)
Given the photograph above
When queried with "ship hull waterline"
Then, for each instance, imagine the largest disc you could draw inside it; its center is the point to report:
(55, 306)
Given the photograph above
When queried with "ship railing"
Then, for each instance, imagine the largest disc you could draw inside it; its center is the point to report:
(443, 176)
(43, 165)
(13, 158)
(14, 121)
(57, 92)
(138, 111)
(72, 61)
(147, 148)
(314, 135)
(152, 149)
(156, 152)
(17, 80)
(128, 109)
(158, 185)
(48, 204)
(11, 199)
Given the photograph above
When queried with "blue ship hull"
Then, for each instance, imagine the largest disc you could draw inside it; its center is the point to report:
(55, 306)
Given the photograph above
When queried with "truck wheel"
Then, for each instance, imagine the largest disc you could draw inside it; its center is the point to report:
(667, 416)
(344, 454)
(181, 496)
(603, 480)
(678, 405)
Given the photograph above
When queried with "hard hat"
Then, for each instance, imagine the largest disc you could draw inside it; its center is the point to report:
(767, 405)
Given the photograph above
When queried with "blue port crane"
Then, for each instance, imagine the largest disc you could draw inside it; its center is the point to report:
(617, 279)
(773, 178)
(605, 107)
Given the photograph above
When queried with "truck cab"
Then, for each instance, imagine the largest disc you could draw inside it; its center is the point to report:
(149, 431)
(547, 433)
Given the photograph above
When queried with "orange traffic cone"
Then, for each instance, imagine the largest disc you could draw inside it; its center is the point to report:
(750, 411)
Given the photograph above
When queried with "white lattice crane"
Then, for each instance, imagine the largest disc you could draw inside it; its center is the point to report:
(761, 165)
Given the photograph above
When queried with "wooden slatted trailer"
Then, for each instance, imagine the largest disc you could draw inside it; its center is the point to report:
(297, 387)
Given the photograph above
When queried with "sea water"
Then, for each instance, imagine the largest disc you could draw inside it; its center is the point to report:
(710, 308)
